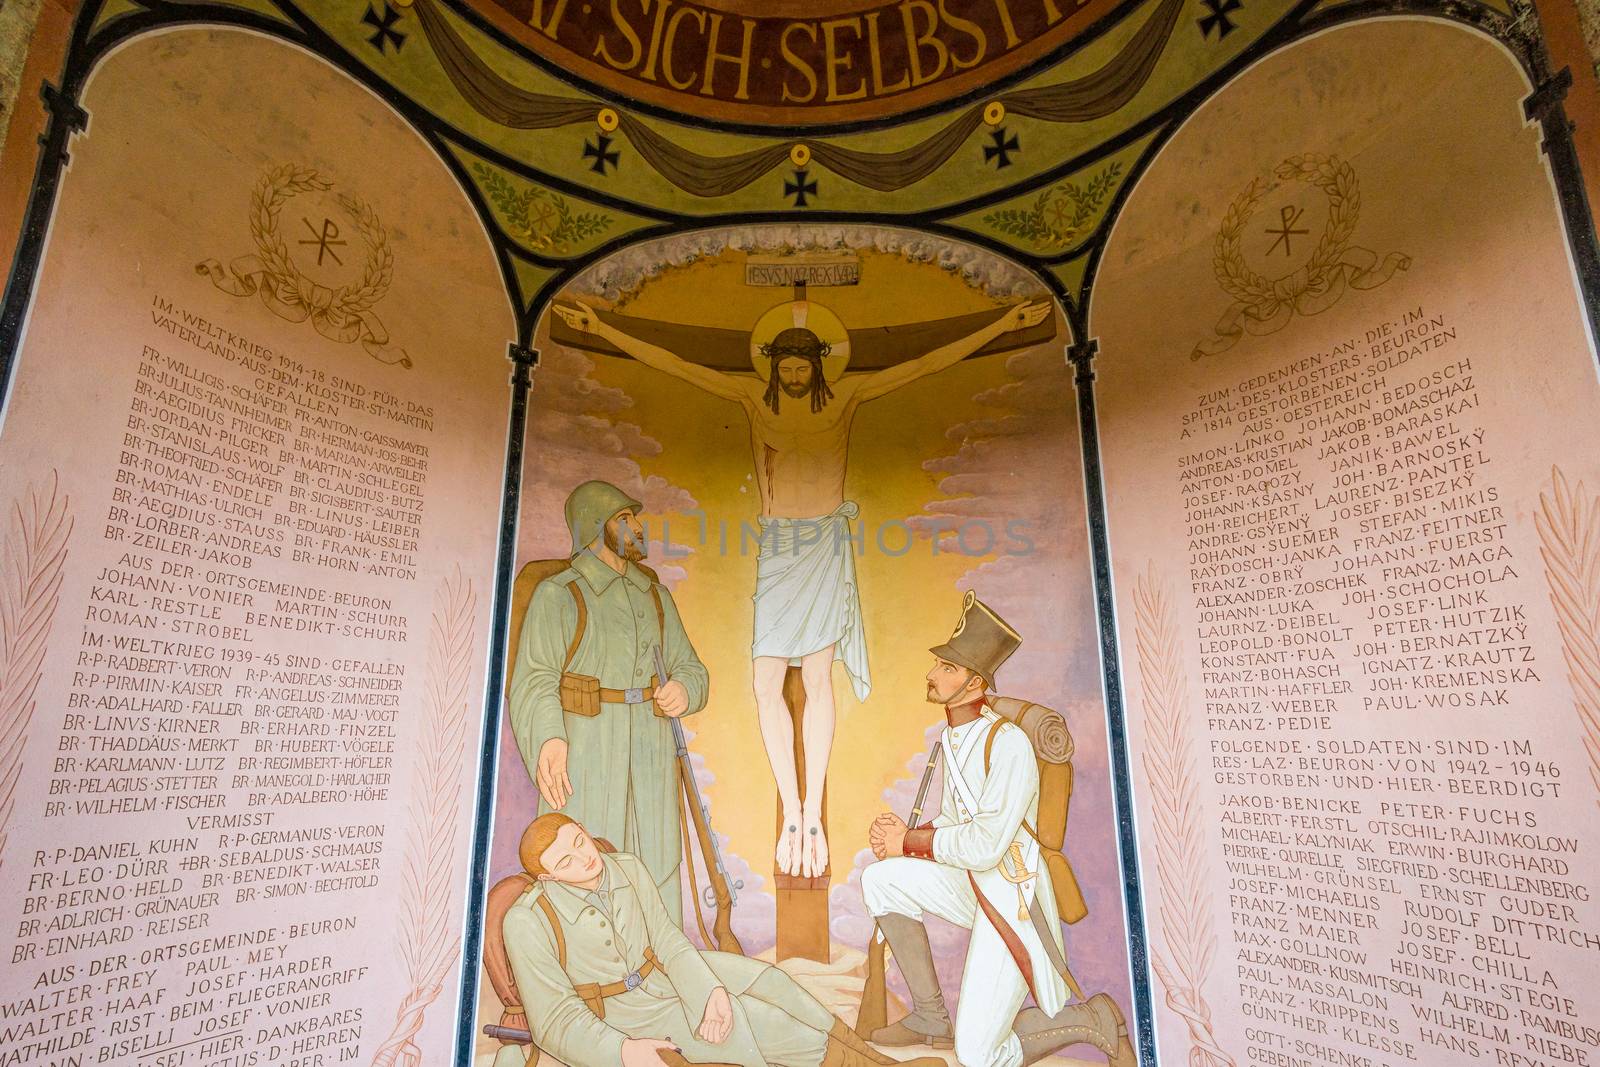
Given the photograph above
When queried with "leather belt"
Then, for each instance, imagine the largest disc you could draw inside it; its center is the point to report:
(595, 995)
(628, 696)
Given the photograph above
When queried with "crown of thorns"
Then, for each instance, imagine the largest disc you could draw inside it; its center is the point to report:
(796, 342)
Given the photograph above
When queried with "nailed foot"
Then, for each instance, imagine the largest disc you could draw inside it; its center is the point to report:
(789, 850)
(813, 845)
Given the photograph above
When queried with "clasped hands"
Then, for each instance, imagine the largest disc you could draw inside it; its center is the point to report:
(887, 835)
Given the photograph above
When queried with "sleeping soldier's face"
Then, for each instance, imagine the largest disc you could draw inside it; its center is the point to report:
(571, 857)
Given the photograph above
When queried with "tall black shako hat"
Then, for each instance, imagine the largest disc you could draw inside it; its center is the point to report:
(982, 640)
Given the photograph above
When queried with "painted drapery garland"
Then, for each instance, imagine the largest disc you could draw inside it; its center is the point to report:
(1093, 96)
(1568, 175)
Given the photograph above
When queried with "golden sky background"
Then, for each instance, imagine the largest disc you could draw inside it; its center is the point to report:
(910, 602)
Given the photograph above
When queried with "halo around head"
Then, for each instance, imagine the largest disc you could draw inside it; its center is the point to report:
(806, 314)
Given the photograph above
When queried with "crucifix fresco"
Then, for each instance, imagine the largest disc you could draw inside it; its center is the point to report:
(799, 375)
(718, 392)
(1067, 688)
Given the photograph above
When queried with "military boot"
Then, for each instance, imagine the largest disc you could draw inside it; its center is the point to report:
(1096, 1022)
(929, 1021)
(847, 1049)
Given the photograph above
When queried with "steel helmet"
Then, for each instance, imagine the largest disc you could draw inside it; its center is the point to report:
(590, 506)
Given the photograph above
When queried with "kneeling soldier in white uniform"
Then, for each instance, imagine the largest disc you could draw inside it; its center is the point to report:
(607, 977)
(978, 865)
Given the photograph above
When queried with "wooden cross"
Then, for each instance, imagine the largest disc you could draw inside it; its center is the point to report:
(871, 348)
(802, 902)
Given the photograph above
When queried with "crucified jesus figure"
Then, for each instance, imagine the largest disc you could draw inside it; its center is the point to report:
(807, 611)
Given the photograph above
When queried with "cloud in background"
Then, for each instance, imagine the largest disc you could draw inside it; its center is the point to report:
(576, 431)
(617, 277)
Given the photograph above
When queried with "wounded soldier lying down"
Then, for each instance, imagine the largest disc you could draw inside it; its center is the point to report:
(607, 978)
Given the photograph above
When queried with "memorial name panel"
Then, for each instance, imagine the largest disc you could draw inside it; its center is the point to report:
(1353, 510)
(254, 563)
(1395, 877)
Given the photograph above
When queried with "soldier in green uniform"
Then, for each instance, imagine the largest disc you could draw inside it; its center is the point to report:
(588, 713)
(607, 980)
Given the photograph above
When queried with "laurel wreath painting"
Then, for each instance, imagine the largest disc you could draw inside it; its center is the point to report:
(1568, 521)
(539, 218)
(1179, 817)
(429, 943)
(33, 558)
(1062, 213)
(1265, 305)
(342, 314)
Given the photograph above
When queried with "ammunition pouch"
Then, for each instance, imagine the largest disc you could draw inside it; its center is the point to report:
(582, 695)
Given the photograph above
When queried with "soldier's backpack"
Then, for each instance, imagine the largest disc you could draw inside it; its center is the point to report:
(496, 962)
(1047, 731)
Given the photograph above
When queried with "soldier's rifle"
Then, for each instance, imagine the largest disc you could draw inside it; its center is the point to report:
(508, 1033)
(873, 1014)
(721, 893)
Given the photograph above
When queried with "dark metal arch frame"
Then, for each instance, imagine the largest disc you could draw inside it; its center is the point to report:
(86, 48)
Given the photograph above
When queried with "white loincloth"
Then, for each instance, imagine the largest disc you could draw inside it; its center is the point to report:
(806, 597)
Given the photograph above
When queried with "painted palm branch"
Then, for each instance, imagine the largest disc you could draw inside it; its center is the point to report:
(428, 940)
(34, 557)
(1179, 816)
(1568, 521)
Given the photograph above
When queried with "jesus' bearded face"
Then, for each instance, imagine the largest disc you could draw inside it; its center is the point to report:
(796, 368)
(794, 375)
